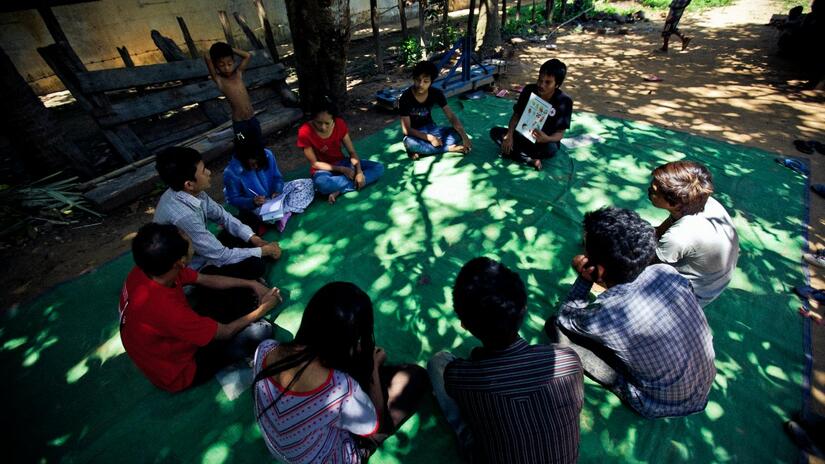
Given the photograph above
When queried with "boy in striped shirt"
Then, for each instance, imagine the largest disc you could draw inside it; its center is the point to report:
(510, 402)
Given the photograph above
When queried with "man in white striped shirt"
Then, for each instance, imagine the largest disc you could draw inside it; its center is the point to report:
(237, 251)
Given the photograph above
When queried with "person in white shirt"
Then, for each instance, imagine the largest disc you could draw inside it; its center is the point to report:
(698, 238)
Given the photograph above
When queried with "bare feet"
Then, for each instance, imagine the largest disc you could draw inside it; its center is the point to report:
(414, 156)
(332, 197)
(536, 163)
(685, 42)
(458, 149)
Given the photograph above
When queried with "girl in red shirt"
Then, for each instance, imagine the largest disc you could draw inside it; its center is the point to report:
(332, 173)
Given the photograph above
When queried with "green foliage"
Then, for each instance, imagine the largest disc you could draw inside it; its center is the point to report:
(410, 51)
(444, 37)
(700, 4)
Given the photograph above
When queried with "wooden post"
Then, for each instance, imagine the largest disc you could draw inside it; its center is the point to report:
(518, 10)
(227, 28)
(52, 24)
(402, 15)
(504, 13)
(548, 10)
(422, 7)
(190, 44)
(62, 60)
(124, 55)
(533, 12)
(37, 140)
(168, 47)
(269, 37)
(376, 35)
(469, 43)
(253, 41)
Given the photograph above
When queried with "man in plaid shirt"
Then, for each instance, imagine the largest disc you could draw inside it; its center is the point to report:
(645, 338)
(677, 7)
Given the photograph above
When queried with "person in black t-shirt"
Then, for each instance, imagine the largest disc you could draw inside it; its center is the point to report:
(548, 140)
(421, 135)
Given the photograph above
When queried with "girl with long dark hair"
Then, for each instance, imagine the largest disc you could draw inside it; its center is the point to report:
(327, 396)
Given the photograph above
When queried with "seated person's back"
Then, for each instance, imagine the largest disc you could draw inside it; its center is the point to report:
(698, 239)
(645, 338)
(510, 402)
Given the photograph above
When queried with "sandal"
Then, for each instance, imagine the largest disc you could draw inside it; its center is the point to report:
(819, 189)
(804, 146)
(819, 147)
(794, 164)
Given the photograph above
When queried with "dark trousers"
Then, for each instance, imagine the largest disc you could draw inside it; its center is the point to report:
(225, 306)
(524, 150)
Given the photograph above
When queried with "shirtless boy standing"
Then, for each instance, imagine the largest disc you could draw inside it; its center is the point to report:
(229, 79)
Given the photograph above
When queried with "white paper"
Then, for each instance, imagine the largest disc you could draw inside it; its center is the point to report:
(234, 380)
(273, 209)
(534, 116)
(582, 140)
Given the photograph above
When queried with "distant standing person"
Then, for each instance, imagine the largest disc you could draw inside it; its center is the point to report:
(677, 7)
(229, 79)
(548, 140)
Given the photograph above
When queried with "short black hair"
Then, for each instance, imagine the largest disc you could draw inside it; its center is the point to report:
(621, 241)
(250, 148)
(554, 68)
(176, 165)
(325, 104)
(219, 50)
(490, 300)
(157, 247)
(425, 67)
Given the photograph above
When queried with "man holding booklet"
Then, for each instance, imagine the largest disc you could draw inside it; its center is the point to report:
(540, 117)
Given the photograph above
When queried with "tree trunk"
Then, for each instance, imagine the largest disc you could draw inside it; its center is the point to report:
(548, 10)
(402, 15)
(422, 8)
(320, 37)
(503, 13)
(376, 35)
(533, 12)
(489, 33)
(36, 138)
(518, 10)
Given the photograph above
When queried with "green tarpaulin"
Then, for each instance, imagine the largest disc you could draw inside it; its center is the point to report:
(72, 395)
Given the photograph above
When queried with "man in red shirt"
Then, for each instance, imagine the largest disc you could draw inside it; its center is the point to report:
(170, 343)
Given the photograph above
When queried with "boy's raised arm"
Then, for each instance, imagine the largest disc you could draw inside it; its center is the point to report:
(210, 67)
(245, 57)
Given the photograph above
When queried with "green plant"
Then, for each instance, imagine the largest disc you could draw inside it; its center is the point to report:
(444, 38)
(410, 51)
(699, 4)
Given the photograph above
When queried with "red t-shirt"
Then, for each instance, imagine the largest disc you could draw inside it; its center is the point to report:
(327, 150)
(160, 331)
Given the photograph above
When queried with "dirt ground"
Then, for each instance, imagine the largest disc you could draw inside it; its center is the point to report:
(728, 85)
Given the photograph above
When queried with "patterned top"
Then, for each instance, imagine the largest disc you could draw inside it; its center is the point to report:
(655, 326)
(521, 403)
(314, 426)
(190, 213)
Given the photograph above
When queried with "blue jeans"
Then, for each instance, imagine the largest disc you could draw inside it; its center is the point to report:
(436, 367)
(448, 136)
(327, 182)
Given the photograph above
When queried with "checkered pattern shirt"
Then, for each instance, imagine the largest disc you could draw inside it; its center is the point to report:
(190, 213)
(654, 326)
(678, 4)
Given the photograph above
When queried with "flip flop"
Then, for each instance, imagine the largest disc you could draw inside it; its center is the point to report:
(793, 164)
(804, 146)
(652, 78)
(810, 293)
(819, 189)
(819, 147)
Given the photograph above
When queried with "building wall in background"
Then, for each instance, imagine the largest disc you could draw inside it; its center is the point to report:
(94, 29)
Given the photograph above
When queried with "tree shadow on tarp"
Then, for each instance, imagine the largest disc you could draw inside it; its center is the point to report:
(76, 397)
